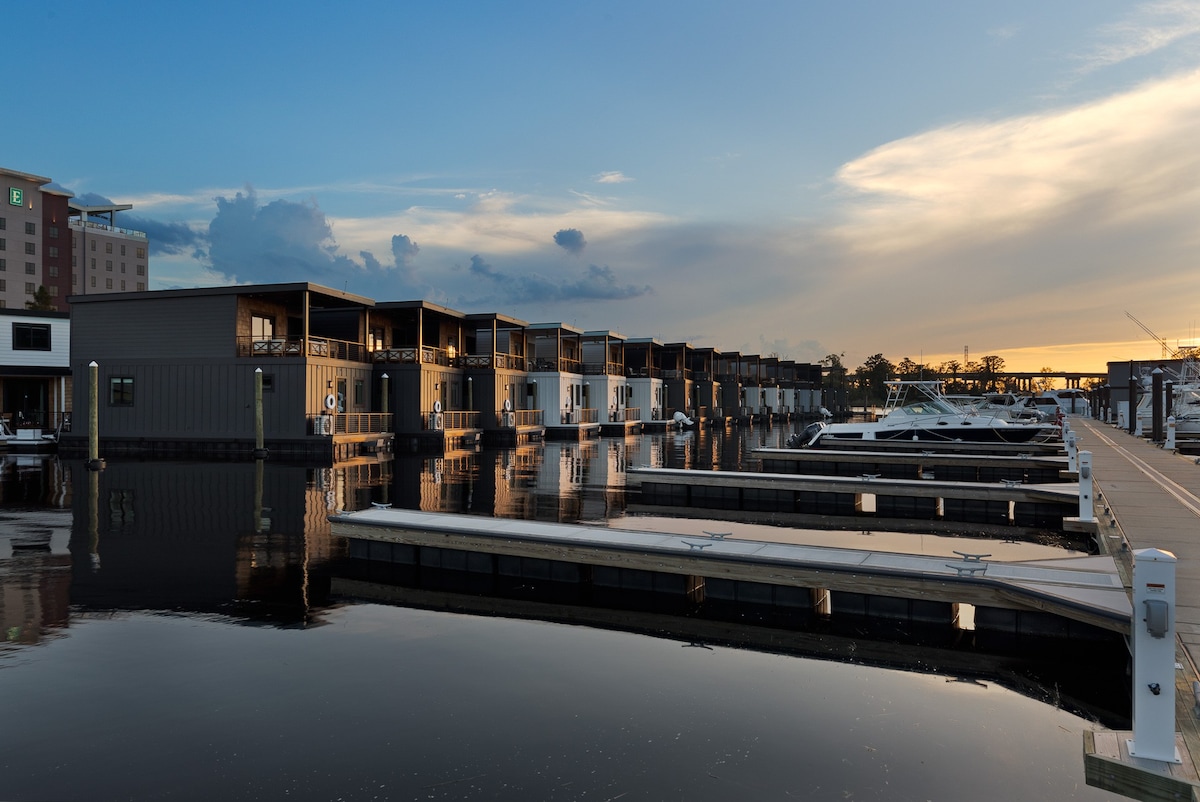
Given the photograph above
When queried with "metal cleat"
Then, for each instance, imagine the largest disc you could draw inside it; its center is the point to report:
(971, 558)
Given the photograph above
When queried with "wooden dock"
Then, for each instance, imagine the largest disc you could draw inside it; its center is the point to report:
(1150, 498)
(962, 467)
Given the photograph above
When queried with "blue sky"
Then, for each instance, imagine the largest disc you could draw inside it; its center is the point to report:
(790, 177)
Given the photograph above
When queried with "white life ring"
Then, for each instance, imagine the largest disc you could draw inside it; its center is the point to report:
(508, 405)
(330, 401)
(437, 406)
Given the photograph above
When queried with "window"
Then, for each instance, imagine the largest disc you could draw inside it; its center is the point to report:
(93, 245)
(3, 304)
(93, 263)
(141, 270)
(74, 260)
(93, 281)
(31, 229)
(53, 252)
(31, 336)
(30, 288)
(262, 327)
(3, 223)
(122, 267)
(108, 265)
(3, 264)
(268, 382)
(3, 284)
(53, 271)
(31, 248)
(122, 283)
(120, 391)
(358, 392)
(53, 232)
(108, 284)
(54, 290)
(141, 286)
(3, 244)
(122, 250)
(30, 268)
(141, 253)
(108, 247)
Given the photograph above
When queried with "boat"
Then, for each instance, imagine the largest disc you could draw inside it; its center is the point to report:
(920, 410)
(1184, 403)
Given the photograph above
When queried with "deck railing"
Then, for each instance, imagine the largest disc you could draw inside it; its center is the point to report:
(627, 414)
(350, 423)
(492, 361)
(643, 372)
(528, 417)
(412, 355)
(298, 346)
(563, 365)
(602, 368)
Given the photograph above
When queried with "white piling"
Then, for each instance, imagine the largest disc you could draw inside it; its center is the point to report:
(1170, 444)
(1072, 452)
(1085, 486)
(1122, 412)
(1154, 656)
(1137, 426)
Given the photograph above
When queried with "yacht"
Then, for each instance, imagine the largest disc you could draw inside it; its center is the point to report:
(919, 410)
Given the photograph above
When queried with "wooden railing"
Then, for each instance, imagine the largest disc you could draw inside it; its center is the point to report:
(563, 365)
(627, 414)
(488, 361)
(412, 354)
(298, 346)
(643, 373)
(602, 368)
(528, 417)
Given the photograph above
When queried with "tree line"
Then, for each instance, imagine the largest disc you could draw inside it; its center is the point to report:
(866, 383)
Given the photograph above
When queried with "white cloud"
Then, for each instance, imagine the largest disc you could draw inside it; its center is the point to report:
(1148, 28)
(611, 177)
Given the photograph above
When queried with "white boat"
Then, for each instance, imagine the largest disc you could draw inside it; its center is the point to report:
(1184, 403)
(919, 410)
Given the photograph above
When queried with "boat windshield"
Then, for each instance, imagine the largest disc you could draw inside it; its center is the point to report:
(929, 406)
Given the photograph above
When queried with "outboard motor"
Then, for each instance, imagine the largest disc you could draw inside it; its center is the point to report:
(808, 436)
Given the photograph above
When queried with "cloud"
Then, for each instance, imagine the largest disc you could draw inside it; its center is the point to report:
(1148, 28)
(404, 250)
(611, 177)
(570, 240)
(165, 238)
(595, 284)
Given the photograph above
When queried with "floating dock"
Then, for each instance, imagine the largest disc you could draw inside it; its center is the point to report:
(929, 465)
(1045, 597)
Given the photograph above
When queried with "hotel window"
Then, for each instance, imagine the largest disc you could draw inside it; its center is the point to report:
(122, 250)
(53, 252)
(3, 285)
(122, 283)
(122, 267)
(141, 287)
(53, 232)
(74, 260)
(3, 264)
(120, 391)
(93, 281)
(108, 265)
(53, 271)
(3, 244)
(54, 289)
(3, 223)
(93, 263)
(30, 289)
(93, 245)
(108, 247)
(141, 270)
(108, 284)
(3, 304)
(30, 268)
(141, 253)
(31, 229)
(30, 248)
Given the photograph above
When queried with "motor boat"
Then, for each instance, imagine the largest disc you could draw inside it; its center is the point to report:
(919, 410)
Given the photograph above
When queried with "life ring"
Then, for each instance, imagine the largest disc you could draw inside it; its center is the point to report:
(330, 401)
(508, 405)
(437, 406)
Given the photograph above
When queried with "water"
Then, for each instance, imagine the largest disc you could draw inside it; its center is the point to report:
(182, 638)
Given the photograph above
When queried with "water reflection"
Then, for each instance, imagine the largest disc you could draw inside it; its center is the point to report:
(148, 560)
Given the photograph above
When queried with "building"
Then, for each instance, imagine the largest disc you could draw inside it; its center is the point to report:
(49, 240)
(35, 374)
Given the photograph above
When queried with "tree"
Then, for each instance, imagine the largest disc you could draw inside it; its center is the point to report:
(42, 302)
(909, 370)
(1044, 383)
(873, 376)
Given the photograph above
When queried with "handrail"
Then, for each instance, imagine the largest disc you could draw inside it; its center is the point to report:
(297, 346)
(350, 423)
(412, 354)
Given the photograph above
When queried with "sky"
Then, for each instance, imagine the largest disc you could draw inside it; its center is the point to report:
(916, 179)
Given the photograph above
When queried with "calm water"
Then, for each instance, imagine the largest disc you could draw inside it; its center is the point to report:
(181, 631)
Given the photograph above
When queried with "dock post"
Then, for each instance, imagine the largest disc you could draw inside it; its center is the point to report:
(260, 452)
(1170, 444)
(1085, 486)
(1122, 414)
(1156, 405)
(1072, 452)
(1154, 656)
(94, 463)
(1137, 426)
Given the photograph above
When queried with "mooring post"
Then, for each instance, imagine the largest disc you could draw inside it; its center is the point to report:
(1072, 452)
(260, 452)
(1170, 444)
(1085, 486)
(1154, 656)
(94, 463)
(1133, 403)
(1156, 405)
(1122, 414)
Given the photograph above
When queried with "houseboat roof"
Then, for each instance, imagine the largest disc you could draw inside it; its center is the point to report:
(331, 297)
(644, 341)
(34, 313)
(421, 304)
(554, 327)
(507, 320)
(612, 335)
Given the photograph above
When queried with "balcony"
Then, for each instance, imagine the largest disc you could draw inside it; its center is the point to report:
(351, 423)
(603, 368)
(415, 355)
(563, 365)
(490, 362)
(643, 373)
(299, 347)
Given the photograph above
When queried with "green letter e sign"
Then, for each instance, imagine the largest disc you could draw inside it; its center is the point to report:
(16, 196)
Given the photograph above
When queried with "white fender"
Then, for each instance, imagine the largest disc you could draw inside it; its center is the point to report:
(330, 401)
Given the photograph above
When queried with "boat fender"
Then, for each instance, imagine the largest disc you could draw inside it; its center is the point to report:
(437, 406)
(330, 401)
(508, 405)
